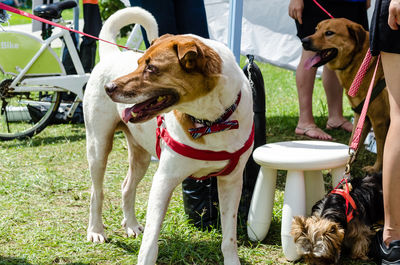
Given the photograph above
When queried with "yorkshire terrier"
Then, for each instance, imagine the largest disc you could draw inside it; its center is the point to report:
(335, 226)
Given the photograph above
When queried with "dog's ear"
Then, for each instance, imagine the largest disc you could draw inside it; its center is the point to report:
(194, 55)
(358, 33)
(188, 55)
(298, 227)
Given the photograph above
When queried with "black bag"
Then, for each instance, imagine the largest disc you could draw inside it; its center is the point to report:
(201, 197)
(253, 72)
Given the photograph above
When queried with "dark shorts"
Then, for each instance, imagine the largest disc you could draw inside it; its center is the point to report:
(312, 14)
(382, 37)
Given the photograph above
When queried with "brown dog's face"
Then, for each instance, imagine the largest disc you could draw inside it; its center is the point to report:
(174, 70)
(336, 42)
(318, 240)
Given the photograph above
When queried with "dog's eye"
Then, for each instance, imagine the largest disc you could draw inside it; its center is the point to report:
(151, 68)
(329, 33)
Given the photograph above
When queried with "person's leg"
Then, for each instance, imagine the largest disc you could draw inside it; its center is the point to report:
(334, 97)
(391, 156)
(305, 85)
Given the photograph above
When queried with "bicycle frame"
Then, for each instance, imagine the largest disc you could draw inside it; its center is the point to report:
(26, 81)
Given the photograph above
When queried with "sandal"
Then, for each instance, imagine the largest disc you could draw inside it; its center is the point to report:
(341, 126)
(308, 131)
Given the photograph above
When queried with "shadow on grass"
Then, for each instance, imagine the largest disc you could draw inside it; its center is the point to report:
(76, 133)
(177, 250)
(12, 261)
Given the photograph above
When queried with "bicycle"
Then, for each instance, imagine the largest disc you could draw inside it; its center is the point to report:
(34, 76)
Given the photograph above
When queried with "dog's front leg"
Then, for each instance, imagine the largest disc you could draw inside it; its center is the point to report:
(160, 194)
(229, 191)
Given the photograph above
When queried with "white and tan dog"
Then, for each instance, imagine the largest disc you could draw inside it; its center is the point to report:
(179, 77)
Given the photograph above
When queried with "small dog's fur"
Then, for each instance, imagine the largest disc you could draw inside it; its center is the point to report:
(178, 76)
(322, 237)
(342, 44)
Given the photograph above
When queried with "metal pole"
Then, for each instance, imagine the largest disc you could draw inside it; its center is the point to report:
(76, 19)
(235, 27)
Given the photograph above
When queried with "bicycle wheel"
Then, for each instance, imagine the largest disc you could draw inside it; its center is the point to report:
(27, 113)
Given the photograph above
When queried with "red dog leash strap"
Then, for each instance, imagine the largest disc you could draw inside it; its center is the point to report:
(323, 9)
(360, 74)
(26, 14)
(357, 133)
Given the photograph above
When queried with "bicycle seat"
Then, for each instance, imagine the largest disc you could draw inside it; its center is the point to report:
(52, 11)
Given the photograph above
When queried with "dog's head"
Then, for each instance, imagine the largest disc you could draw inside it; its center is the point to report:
(174, 70)
(317, 239)
(336, 42)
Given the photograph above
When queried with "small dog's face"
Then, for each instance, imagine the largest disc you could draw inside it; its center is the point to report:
(317, 239)
(174, 70)
(336, 42)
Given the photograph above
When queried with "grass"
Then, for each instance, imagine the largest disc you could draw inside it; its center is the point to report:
(45, 190)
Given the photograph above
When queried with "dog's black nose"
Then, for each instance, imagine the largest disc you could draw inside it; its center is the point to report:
(110, 87)
(306, 43)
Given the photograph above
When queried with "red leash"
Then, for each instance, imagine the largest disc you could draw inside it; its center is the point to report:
(29, 15)
(323, 9)
(356, 139)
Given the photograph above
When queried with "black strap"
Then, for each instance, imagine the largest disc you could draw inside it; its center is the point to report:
(375, 92)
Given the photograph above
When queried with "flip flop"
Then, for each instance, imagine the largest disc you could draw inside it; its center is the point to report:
(306, 132)
(338, 127)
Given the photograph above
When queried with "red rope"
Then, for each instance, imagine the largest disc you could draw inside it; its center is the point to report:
(323, 9)
(356, 139)
(26, 14)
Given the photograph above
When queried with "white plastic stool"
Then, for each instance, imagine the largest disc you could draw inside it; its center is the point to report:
(304, 161)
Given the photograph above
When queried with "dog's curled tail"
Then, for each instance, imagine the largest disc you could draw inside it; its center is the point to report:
(121, 18)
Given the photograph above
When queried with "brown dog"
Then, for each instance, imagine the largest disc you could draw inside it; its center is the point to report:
(342, 44)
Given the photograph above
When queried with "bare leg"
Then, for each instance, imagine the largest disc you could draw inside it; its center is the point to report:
(334, 97)
(391, 156)
(305, 85)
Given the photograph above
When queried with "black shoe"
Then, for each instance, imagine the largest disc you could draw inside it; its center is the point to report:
(388, 255)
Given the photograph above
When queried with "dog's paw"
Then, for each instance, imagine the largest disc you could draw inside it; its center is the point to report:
(96, 237)
(133, 229)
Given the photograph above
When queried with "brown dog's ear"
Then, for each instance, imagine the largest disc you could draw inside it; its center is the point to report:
(358, 33)
(195, 55)
(298, 227)
(188, 55)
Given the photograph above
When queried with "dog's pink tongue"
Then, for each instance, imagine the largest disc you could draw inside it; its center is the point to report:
(312, 61)
(127, 115)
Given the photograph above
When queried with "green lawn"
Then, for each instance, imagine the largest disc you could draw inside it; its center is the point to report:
(45, 190)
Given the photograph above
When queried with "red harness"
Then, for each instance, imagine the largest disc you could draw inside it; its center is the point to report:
(345, 193)
(199, 154)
